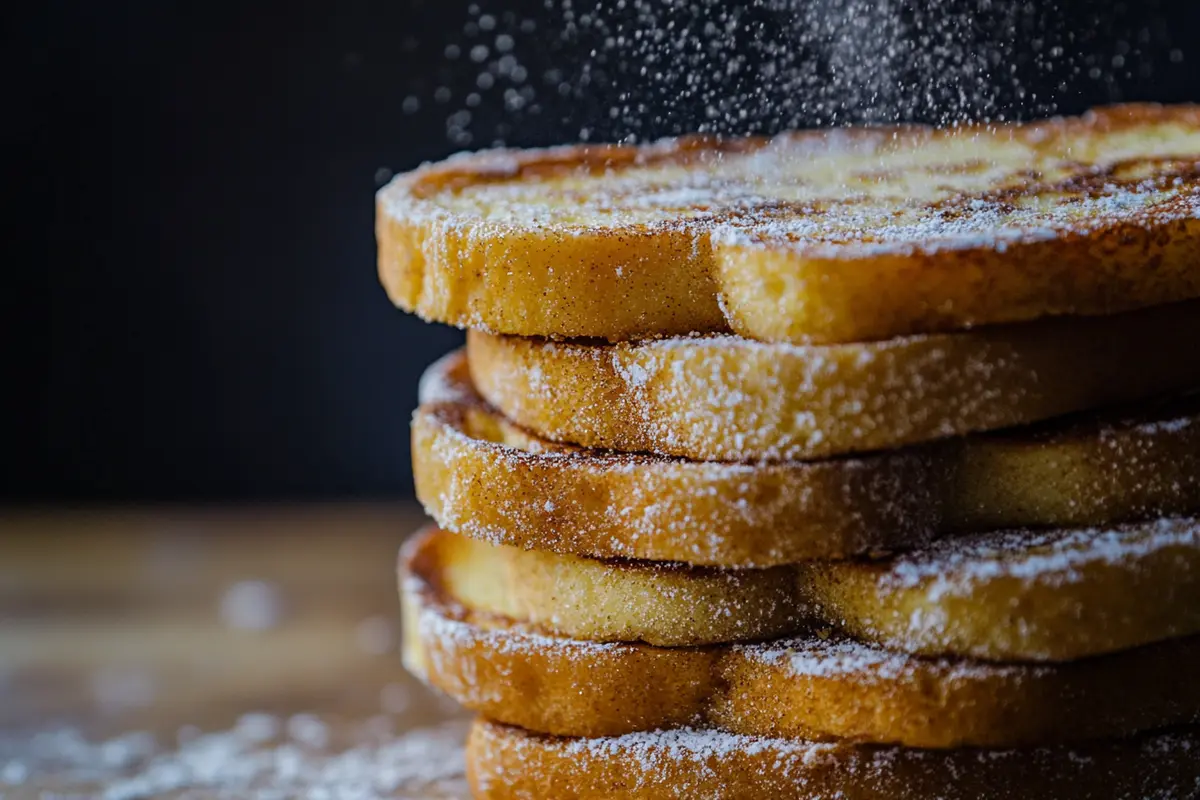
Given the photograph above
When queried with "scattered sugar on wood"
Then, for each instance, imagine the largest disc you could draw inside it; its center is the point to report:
(253, 605)
(261, 757)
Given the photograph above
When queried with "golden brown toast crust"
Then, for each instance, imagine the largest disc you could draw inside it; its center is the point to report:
(668, 605)
(480, 475)
(506, 763)
(1027, 595)
(731, 399)
(813, 687)
(820, 236)
(1054, 595)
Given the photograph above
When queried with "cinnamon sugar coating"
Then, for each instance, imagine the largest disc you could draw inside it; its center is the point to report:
(482, 476)
(507, 763)
(810, 237)
(807, 686)
(725, 398)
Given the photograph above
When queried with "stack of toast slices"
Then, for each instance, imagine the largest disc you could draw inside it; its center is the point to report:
(858, 463)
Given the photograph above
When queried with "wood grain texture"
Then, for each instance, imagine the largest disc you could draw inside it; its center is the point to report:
(113, 621)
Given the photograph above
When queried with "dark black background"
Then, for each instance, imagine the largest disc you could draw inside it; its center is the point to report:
(192, 310)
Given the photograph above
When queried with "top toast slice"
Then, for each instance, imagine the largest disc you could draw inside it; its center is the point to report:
(812, 237)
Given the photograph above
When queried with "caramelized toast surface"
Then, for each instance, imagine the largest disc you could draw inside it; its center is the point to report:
(507, 763)
(823, 236)
(808, 686)
(727, 398)
(1021, 596)
(481, 475)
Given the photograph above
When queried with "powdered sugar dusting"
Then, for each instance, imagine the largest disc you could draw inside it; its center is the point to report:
(952, 566)
(726, 398)
(686, 744)
(436, 624)
(1025, 595)
(446, 381)
(973, 223)
(256, 759)
(1170, 417)
(834, 194)
(834, 656)
(494, 482)
(835, 687)
(1167, 426)
(639, 68)
(695, 762)
(702, 744)
(814, 655)
(656, 508)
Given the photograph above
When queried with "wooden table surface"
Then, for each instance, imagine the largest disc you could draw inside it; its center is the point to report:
(181, 621)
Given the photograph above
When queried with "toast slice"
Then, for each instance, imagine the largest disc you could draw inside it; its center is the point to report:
(1014, 596)
(1020, 595)
(480, 475)
(731, 399)
(815, 237)
(670, 605)
(811, 686)
(507, 763)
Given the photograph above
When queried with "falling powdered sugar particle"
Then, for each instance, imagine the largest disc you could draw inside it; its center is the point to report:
(639, 69)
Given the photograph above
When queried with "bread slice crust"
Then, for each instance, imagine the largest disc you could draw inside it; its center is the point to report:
(810, 237)
(1047, 595)
(1033, 596)
(507, 763)
(731, 399)
(481, 475)
(819, 687)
